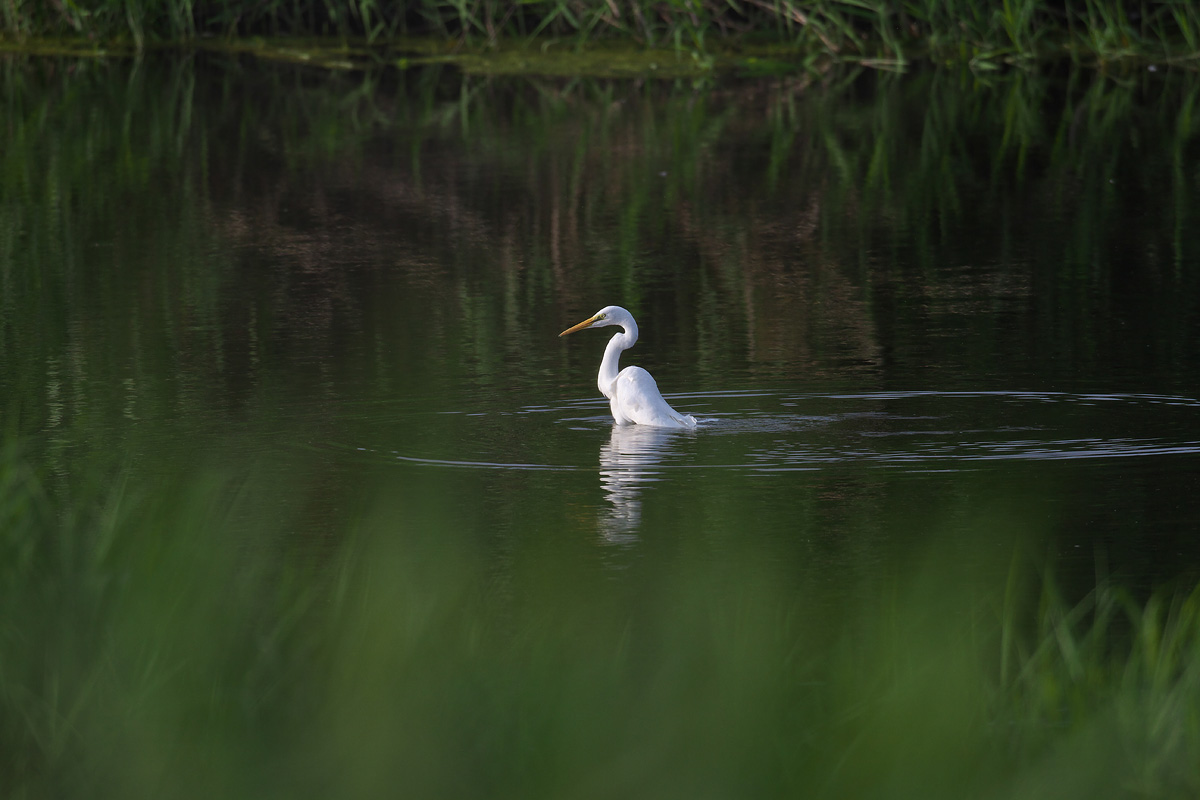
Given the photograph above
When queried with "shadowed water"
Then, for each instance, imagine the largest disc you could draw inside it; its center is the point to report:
(357, 299)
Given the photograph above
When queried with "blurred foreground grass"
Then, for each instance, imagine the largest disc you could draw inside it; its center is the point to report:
(167, 640)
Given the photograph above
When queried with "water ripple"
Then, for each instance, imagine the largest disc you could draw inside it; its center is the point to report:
(769, 431)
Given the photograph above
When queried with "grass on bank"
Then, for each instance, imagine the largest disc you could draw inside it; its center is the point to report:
(166, 640)
(878, 32)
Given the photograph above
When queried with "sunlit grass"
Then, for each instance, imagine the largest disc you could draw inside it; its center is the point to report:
(164, 640)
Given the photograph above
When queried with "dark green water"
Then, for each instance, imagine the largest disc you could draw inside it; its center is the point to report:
(922, 317)
(893, 301)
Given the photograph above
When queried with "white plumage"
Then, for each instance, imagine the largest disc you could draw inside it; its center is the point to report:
(632, 393)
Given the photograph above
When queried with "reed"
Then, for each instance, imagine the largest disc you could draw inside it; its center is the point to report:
(158, 637)
(1119, 670)
(879, 32)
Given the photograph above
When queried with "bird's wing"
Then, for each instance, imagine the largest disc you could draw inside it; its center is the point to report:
(639, 400)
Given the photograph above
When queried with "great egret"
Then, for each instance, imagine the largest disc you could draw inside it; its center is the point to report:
(632, 393)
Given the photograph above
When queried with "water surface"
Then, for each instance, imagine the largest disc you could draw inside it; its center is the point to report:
(892, 301)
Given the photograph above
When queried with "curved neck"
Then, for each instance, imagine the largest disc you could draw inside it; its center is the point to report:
(612, 355)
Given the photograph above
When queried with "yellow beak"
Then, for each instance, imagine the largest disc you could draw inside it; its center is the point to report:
(587, 322)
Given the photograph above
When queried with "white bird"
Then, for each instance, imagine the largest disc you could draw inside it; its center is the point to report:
(632, 393)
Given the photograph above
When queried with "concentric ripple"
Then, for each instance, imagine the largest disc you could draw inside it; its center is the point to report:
(769, 431)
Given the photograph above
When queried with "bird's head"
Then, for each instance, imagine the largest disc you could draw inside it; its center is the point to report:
(609, 315)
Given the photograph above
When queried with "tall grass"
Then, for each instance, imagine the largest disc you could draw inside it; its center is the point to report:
(162, 640)
(1120, 674)
(878, 31)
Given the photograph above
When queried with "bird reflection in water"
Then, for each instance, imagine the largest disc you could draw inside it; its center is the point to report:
(628, 461)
